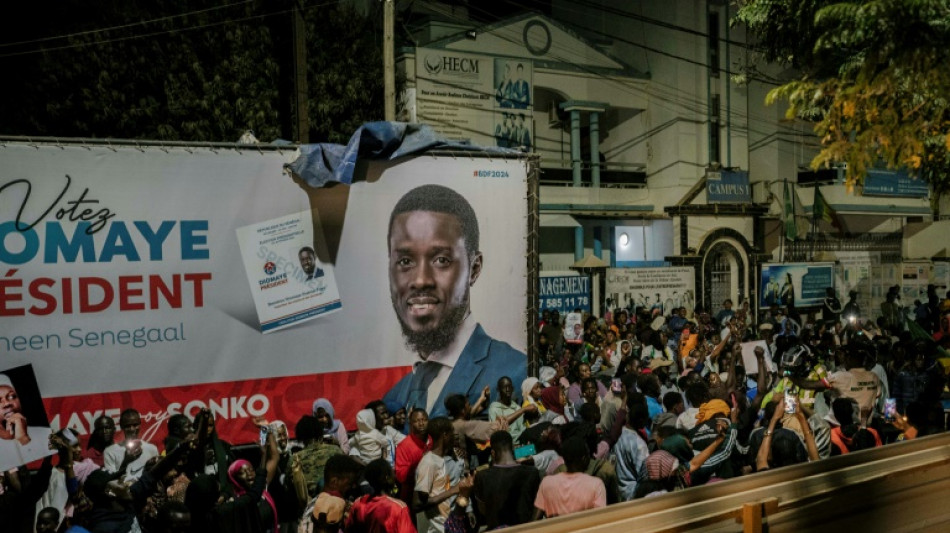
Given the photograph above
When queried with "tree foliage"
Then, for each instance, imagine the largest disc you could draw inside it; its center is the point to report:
(189, 70)
(873, 79)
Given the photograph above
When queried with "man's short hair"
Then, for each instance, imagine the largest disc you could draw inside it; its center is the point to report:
(574, 451)
(455, 404)
(439, 199)
(590, 412)
(672, 399)
(502, 441)
(440, 426)
(697, 393)
(308, 427)
(341, 466)
(307, 249)
(377, 474)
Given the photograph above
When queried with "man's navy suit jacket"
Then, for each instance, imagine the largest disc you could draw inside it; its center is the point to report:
(483, 361)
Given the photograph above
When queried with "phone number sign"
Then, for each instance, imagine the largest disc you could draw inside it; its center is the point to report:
(564, 293)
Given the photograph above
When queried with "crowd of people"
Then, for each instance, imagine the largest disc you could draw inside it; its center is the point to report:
(643, 405)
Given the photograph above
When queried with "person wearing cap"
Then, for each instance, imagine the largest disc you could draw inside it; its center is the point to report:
(20, 442)
(327, 511)
(332, 427)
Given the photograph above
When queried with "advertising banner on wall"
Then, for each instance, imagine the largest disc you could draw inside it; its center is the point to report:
(659, 289)
(854, 273)
(894, 184)
(564, 292)
(163, 280)
(795, 284)
(482, 99)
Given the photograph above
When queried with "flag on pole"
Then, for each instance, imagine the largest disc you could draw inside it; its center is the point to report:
(791, 230)
(796, 222)
(821, 209)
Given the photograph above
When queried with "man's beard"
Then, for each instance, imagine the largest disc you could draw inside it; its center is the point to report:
(429, 341)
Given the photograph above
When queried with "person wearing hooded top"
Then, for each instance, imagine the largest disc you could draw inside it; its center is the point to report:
(242, 477)
(332, 427)
(554, 399)
(369, 443)
(531, 394)
(115, 504)
(239, 514)
(385, 423)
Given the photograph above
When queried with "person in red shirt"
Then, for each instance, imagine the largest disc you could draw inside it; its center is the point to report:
(378, 512)
(410, 451)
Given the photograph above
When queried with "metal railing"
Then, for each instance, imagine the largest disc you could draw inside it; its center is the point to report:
(896, 487)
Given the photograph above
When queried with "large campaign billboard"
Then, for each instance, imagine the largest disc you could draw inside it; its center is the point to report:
(795, 284)
(175, 279)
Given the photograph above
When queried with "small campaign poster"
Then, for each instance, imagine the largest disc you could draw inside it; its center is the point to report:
(24, 426)
(288, 281)
(574, 328)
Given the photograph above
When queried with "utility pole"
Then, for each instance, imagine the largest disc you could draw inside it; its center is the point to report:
(389, 61)
(300, 76)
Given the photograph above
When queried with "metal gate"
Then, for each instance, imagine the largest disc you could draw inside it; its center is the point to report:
(720, 279)
(723, 276)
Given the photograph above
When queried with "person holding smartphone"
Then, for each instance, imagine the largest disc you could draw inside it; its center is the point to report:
(782, 447)
(130, 422)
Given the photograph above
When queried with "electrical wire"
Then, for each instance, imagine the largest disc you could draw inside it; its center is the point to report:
(124, 26)
(165, 32)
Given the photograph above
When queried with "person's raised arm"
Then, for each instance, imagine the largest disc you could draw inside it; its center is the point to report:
(271, 455)
(697, 462)
(730, 383)
(762, 458)
(722, 343)
(482, 400)
(530, 408)
(761, 379)
(809, 435)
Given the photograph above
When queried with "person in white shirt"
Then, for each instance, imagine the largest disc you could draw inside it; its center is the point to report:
(130, 422)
